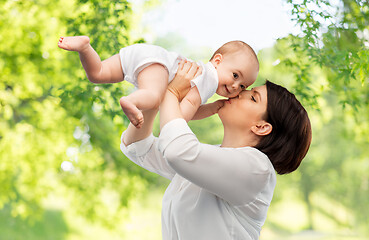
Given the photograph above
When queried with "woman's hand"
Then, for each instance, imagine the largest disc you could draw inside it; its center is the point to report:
(181, 82)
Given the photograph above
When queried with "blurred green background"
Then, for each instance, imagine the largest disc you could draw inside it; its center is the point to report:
(62, 175)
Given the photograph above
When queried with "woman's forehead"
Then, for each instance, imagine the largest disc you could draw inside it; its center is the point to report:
(261, 91)
(259, 88)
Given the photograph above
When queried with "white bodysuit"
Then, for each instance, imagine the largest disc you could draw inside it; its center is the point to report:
(215, 193)
(136, 57)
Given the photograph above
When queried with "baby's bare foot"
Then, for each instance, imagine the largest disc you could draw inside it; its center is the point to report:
(78, 43)
(132, 112)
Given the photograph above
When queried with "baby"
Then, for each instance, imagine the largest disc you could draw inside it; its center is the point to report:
(231, 69)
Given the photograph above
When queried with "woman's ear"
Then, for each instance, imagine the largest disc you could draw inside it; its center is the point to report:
(262, 128)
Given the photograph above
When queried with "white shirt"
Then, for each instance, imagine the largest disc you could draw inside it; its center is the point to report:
(215, 193)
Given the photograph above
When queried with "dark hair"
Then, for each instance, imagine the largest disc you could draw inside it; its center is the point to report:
(291, 135)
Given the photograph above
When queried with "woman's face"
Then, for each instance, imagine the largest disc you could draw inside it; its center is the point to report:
(245, 110)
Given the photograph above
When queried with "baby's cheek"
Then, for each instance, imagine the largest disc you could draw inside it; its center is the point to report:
(218, 91)
(236, 93)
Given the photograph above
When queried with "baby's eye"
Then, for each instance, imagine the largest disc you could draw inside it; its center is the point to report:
(235, 75)
(243, 87)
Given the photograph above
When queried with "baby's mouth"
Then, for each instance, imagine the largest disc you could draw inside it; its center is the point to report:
(227, 90)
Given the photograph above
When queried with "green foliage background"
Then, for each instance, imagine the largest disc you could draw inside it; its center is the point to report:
(52, 116)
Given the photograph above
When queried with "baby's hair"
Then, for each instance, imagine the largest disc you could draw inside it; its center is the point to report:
(235, 46)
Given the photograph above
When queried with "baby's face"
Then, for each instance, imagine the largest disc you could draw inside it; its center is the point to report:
(236, 72)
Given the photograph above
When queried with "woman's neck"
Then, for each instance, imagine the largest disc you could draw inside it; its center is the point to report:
(233, 138)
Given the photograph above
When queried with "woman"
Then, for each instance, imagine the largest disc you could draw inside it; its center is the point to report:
(221, 192)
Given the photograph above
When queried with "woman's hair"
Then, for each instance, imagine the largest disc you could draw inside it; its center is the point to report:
(291, 134)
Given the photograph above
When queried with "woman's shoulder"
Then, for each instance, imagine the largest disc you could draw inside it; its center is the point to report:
(258, 159)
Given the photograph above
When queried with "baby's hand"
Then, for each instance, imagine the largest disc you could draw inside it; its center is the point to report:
(218, 104)
(181, 82)
(208, 109)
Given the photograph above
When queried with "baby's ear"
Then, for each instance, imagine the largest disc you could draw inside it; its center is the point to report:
(262, 128)
(218, 58)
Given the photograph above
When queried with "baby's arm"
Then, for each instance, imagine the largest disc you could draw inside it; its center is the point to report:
(208, 110)
(190, 103)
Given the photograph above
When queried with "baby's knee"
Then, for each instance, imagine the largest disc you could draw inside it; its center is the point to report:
(94, 78)
(156, 99)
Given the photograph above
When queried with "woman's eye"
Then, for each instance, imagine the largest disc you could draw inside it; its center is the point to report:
(252, 98)
(235, 75)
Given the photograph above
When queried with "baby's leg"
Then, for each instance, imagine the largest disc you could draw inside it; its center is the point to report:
(108, 71)
(152, 83)
(133, 134)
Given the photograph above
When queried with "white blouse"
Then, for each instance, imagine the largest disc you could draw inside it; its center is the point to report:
(215, 193)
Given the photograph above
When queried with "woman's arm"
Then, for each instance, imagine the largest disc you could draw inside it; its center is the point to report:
(141, 147)
(190, 104)
(235, 175)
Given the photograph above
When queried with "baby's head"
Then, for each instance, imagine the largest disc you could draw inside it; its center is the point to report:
(237, 66)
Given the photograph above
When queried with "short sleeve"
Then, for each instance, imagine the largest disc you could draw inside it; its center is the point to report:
(207, 82)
